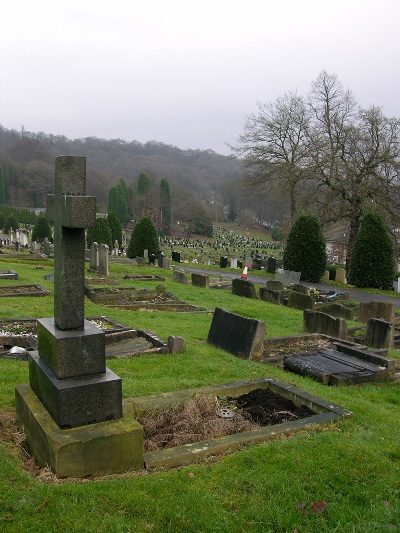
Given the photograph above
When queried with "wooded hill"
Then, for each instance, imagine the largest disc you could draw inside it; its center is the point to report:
(27, 166)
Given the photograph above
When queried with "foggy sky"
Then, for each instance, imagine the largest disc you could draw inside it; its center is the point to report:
(185, 73)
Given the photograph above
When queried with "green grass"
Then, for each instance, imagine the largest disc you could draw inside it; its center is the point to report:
(353, 466)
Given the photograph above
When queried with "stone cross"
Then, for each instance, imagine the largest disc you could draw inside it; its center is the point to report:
(72, 212)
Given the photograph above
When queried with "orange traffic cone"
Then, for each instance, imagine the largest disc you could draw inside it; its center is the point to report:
(244, 274)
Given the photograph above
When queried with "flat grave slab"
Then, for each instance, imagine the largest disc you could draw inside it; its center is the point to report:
(24, 290)
(343, 366)
(8, 274)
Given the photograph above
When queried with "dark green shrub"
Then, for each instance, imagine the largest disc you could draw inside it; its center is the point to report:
(144, 237)
(10, 222)
(372, 259)
(305, 249)
(277, 233)
(115, 227)
(100, 233)
(41, 230)
(2, 221)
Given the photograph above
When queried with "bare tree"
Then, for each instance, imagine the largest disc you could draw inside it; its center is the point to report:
(274, 146)
(355, 155)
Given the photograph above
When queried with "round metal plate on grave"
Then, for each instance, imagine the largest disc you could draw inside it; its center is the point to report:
(225, 413)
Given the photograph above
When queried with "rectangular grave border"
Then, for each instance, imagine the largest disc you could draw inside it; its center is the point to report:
(190, 453)
(40, 291)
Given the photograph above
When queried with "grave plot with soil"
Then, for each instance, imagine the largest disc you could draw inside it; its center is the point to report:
(18, 337)
(185, 426)
(204, 417)
(24, 290)
(157, 299)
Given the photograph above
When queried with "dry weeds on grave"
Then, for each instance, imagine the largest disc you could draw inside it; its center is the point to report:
(194, 421)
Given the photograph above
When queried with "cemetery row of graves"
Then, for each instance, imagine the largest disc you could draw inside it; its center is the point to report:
(125, 294)
(104, 357)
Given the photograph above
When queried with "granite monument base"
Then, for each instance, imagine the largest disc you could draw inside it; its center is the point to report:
(76, 401)
(111, 447)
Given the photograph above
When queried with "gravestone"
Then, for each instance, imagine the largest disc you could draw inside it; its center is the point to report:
(116, 248)
(70, 385)
(317, 322)
(200, 280)
(299, 287)
(234, 261)
(249, 261)
(160, 260)
(383, 310)
(300, 301)
(343, 365)
(104, 260)
(94, 256)
(236, 334)
(243, 287)
(340, 275)
(272, 296)
(275, 285)
(179, 276)
(166, 264)
(271, 265)
(146, 254)
(337, 310)
(223, 262)
(379, 334)
(46, 246)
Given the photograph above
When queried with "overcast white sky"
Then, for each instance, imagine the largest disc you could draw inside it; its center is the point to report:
(185, 73)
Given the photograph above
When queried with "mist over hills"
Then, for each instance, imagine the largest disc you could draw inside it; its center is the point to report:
(27, 162)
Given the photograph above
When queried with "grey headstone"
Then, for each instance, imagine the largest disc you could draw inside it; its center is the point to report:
(175, 344)
(383, 310)
(275, 285)
(272, 296)
(179, 277)
(236, 334)
(300, 301)
(317, 322)
(243, 287)
(200, 280)
(379, 334)
(104, 259)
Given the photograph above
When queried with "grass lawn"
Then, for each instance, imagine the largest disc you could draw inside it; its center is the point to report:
(340, 478)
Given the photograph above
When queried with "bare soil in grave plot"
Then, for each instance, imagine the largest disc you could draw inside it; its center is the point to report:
(295, 347)
(197, 419)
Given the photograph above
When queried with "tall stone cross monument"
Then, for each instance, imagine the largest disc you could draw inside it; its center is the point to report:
(68, 373)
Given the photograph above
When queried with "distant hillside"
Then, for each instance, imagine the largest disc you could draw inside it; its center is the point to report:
(27, 163)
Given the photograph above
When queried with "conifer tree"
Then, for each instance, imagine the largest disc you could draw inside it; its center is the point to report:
(372, 259)
(165, 206)
(41, 230)
(115, 227)
(100, 233)
(144, 237)
(305, 249)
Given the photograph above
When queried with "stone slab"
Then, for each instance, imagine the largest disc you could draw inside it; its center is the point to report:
(10, 274)
(71, 354)
(334, 368)
(384, 310)
(76, 402)
(237, 334)
(103, 448)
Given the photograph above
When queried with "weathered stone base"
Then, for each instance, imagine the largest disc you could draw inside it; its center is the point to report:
(104, 448)
(76, 401)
